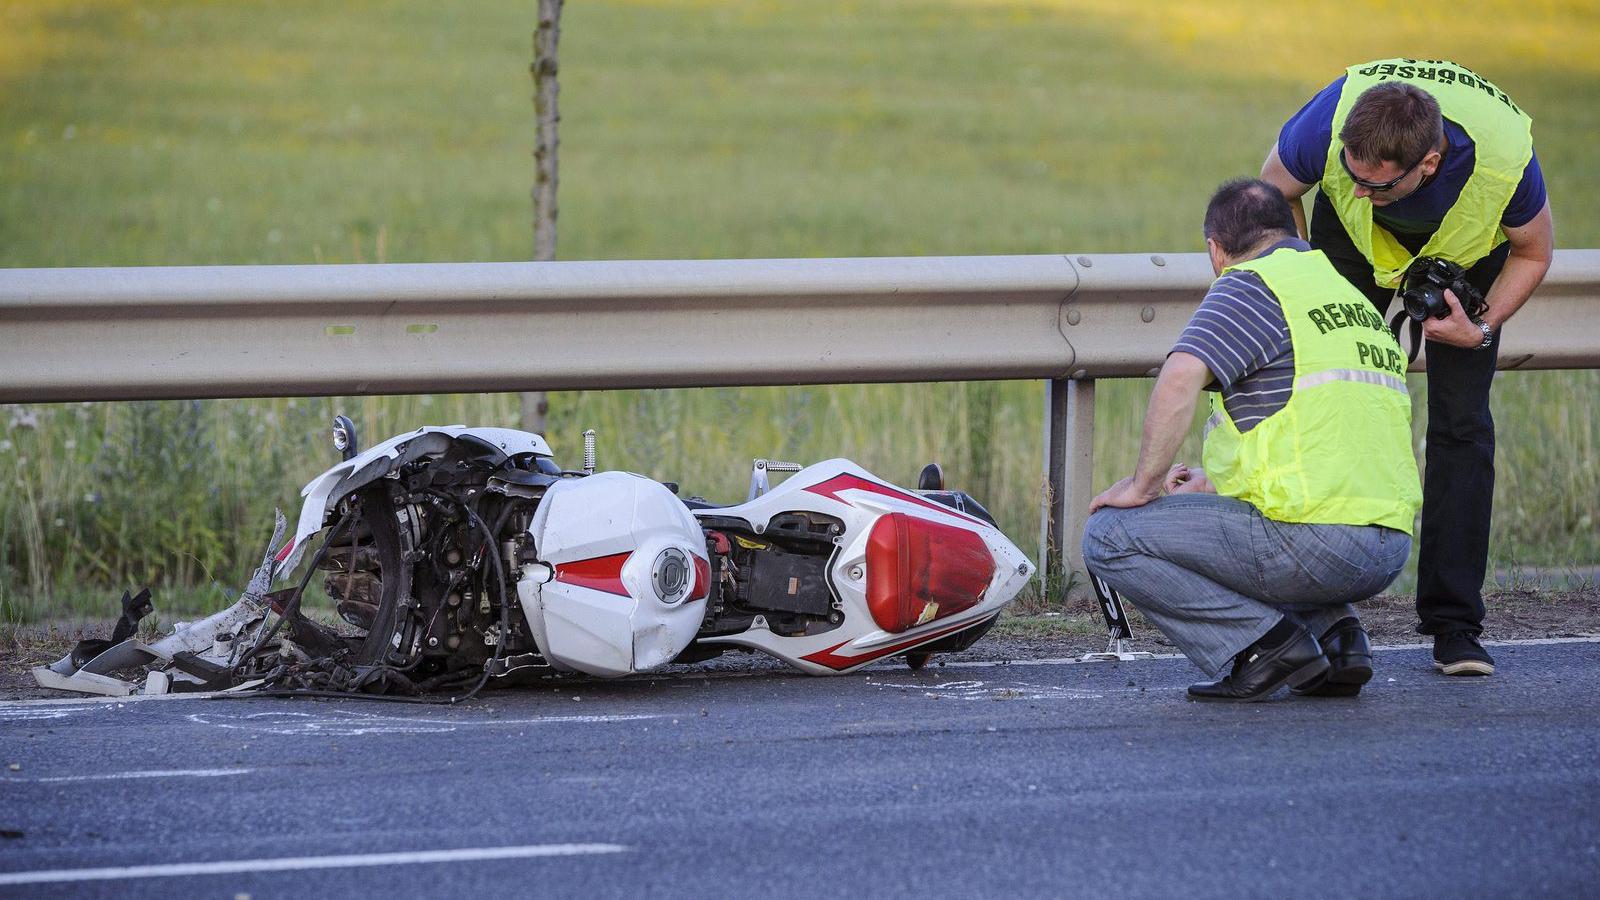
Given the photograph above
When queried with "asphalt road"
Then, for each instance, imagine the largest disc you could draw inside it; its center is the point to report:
(1038, 780)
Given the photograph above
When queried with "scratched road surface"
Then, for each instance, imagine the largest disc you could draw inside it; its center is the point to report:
(973, 781)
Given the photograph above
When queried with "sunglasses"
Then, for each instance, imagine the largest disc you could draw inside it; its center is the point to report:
(1377, 185)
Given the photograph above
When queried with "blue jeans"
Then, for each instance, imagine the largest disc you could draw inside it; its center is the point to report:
(1215, 575)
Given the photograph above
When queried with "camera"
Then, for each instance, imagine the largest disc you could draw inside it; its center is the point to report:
(1422, 289)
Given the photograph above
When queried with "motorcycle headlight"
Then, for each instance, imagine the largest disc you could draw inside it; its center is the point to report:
(344, 437)
(669, 575)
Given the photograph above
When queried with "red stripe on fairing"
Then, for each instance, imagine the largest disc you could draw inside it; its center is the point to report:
(602, 573)
(848, 482)
(702, 579)
(840, 663)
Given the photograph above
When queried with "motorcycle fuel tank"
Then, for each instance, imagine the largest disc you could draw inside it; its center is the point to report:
(622, 576)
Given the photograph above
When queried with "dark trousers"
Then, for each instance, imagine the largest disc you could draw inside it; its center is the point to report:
(1458, 477)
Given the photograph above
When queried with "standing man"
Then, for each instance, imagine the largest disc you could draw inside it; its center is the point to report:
(1306, 502)
(1425, 158)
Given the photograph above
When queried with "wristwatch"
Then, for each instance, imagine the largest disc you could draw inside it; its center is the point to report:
(1488, 334)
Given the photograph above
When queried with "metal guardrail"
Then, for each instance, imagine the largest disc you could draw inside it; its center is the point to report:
(244, 331)
(104, 334)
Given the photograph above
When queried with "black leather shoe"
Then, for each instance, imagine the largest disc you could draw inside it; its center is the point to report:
(1259, 671)
(1349, 653)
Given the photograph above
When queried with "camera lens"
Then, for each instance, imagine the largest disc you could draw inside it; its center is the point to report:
(1425, 302)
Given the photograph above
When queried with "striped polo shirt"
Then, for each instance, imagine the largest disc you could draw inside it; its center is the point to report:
(1240, 333)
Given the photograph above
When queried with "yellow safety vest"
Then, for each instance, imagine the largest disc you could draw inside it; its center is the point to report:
(1340, 451)
(1501, 133)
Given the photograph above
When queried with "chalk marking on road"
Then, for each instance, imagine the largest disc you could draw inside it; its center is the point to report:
(349, 723)
(298, 863)
(121, 776)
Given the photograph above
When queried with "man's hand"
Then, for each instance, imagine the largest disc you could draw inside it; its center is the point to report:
(1176, 476)
(1182, 479)
(1124, 494)
(1456, 330)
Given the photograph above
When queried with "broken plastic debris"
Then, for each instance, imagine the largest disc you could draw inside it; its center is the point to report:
(88, 666)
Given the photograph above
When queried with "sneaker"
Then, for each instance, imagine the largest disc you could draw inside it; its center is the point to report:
(1459, 653)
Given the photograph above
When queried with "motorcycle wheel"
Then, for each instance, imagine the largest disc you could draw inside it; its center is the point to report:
(917, 660)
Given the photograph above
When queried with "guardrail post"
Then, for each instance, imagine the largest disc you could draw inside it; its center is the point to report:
(1068, 469)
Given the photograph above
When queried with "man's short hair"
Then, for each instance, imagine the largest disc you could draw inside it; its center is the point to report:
(1246, 213)
(1392, 122)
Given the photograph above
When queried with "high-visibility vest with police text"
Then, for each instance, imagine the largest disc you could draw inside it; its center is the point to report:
(1502, 136)
(1339, 452)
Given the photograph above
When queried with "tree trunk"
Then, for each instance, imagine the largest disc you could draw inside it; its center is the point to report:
(546, 39)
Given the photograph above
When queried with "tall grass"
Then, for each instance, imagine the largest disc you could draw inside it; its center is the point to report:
(204, 133)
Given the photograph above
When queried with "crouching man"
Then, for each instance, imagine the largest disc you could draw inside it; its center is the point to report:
(1309, 488)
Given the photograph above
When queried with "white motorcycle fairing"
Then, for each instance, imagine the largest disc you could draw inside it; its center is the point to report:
(896, 546)
(620, 585)
(327, 489)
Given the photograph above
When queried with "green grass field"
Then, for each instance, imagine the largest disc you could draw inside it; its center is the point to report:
(292, 132)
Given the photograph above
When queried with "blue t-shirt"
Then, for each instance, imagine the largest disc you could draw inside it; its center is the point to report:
(1303, 148)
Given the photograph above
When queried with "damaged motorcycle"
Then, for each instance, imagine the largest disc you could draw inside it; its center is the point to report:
(462, 556)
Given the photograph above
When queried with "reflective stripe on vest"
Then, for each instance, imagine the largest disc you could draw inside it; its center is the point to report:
(1339, 452)
(1361, 376)
(1502, 137)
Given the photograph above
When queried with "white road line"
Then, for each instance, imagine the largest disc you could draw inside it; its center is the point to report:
(36, 715)
(118, 701)
(693, 675)
(1525, 642)
(1073, 660)
(1053, 661)
(120, 776)
(349, 722)
(297, 863)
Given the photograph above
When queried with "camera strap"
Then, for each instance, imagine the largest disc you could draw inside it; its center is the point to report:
(1399, 319)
